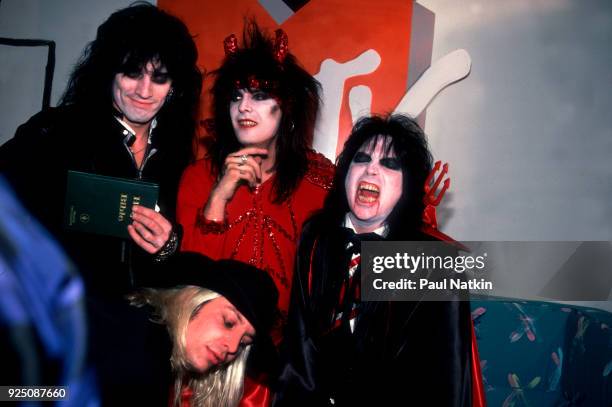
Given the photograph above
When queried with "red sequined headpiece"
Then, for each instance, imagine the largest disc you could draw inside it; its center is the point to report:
(230, 44)
(252, 82)
(280, 50)
(281, 45)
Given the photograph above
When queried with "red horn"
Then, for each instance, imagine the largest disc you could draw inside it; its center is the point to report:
(281, 47)
(230, 45)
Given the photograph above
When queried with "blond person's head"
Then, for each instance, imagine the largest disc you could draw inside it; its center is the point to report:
(214, 313)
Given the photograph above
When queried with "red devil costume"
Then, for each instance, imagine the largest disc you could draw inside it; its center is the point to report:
(261, 224)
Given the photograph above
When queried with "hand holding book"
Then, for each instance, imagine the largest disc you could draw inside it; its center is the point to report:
(149, 229)
(103, 205)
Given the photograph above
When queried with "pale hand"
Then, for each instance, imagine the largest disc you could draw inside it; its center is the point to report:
(241, 166)
(149, 229)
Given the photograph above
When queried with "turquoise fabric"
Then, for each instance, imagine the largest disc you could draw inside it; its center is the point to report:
(544, 354)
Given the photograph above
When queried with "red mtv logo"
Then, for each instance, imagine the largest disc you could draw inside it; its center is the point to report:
(366, 54)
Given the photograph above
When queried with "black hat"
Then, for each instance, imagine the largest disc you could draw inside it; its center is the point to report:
(251, 290)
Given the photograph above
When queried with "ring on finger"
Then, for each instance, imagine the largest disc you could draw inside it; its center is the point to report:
(243, 159)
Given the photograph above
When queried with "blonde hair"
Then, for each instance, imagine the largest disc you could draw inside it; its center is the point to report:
(175, 307)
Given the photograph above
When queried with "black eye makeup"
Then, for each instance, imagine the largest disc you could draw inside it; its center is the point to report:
(362, 157)
(133, 75)
(157, 77)
(391, 163)
(236, 95)
(160, 78)
(260, 95)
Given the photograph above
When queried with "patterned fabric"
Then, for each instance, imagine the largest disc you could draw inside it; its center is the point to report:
(544, 354)
(350, 291)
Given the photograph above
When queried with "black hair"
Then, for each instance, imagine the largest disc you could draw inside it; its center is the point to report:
(409, 144)
(129, 39)
(296, 91)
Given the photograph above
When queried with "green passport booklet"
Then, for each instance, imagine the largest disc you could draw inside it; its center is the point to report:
(103, 205)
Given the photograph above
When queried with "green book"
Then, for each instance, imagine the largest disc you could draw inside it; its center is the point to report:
(103, 205)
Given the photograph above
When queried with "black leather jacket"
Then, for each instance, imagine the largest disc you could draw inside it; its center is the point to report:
(131, 356)
(56, 140)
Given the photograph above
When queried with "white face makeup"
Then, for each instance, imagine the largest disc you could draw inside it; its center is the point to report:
(255, 117)
(216, 334)
(140, 96)
(373, 185)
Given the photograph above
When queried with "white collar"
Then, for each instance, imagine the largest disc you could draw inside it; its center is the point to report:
(381, 231)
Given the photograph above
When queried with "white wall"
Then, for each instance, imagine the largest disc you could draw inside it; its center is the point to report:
(529, 132)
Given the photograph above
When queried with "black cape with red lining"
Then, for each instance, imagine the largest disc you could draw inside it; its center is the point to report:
(400, 353)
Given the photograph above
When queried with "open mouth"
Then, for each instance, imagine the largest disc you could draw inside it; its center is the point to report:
(247, 123)
(367, 193)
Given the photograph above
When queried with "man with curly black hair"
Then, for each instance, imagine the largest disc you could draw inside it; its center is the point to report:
(129, 111)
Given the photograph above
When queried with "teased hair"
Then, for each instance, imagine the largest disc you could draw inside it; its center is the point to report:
(295, 89)
(222, 386)
(408, 142)
(125, 43)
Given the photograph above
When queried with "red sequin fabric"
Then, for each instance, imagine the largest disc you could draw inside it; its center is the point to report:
(256, 230)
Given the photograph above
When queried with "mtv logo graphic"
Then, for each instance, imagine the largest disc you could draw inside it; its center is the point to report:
(366, 54)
